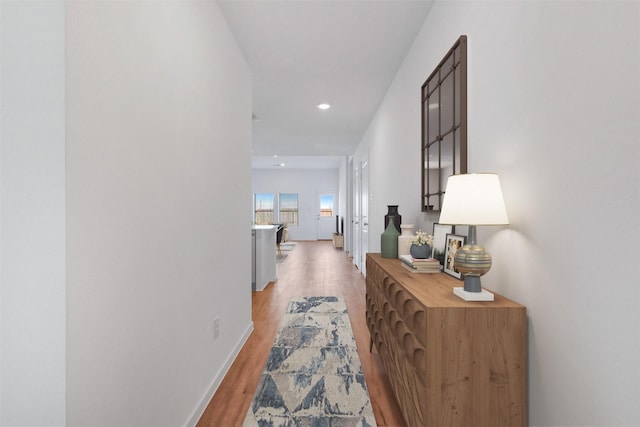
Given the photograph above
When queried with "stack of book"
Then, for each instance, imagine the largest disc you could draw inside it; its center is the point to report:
(415, 265)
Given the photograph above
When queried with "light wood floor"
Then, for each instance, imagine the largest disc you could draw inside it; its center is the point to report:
(312, 268)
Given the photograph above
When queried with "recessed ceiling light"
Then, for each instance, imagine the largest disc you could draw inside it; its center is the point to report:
(324, 106)
(279, 165)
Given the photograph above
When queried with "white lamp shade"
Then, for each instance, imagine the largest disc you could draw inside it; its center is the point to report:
(473, 199)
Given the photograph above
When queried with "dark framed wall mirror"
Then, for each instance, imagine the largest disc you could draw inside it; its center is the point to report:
(444, 125)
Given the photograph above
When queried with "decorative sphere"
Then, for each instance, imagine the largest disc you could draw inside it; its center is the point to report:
(472, 260)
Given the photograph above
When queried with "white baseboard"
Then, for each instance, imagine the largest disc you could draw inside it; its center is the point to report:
(218, 378)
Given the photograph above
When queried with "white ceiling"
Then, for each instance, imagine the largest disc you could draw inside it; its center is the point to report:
(306, 52)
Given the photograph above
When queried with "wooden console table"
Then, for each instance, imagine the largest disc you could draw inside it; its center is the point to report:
(450, 362)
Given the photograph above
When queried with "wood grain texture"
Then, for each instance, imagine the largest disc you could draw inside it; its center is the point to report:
(450, 362)
(312, 268)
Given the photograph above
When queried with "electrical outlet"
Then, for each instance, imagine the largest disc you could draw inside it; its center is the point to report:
(216, 328)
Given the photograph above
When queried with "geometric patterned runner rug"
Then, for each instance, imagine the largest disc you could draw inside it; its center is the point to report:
(313, 375)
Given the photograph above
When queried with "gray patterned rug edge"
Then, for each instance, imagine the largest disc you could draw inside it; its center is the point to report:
(313, 375)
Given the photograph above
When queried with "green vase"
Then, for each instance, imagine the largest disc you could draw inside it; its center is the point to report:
(389, 241)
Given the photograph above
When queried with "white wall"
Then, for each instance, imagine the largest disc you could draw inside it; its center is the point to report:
(346, 205)
(554, 109)
(342, 191)
(32, 214)
(308, 183)
(158, 232)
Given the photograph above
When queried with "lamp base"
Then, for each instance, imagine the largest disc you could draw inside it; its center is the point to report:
(483, 295)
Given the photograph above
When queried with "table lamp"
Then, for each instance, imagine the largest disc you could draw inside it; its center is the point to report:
(473, 199)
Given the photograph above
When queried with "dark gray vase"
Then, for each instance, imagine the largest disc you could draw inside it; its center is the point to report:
(420, 252)
(394, 216)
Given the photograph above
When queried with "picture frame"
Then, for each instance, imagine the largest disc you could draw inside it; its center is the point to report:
(440, 232)
(453, 243)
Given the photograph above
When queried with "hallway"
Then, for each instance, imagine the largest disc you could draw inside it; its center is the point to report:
(312, 268)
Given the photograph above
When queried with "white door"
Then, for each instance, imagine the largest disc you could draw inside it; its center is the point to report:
(326, 215)
(348, 224)
(355, 219)
(364, 215)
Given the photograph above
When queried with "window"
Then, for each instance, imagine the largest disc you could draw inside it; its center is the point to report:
(288, 208)
(263, 208)
(326, 205)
